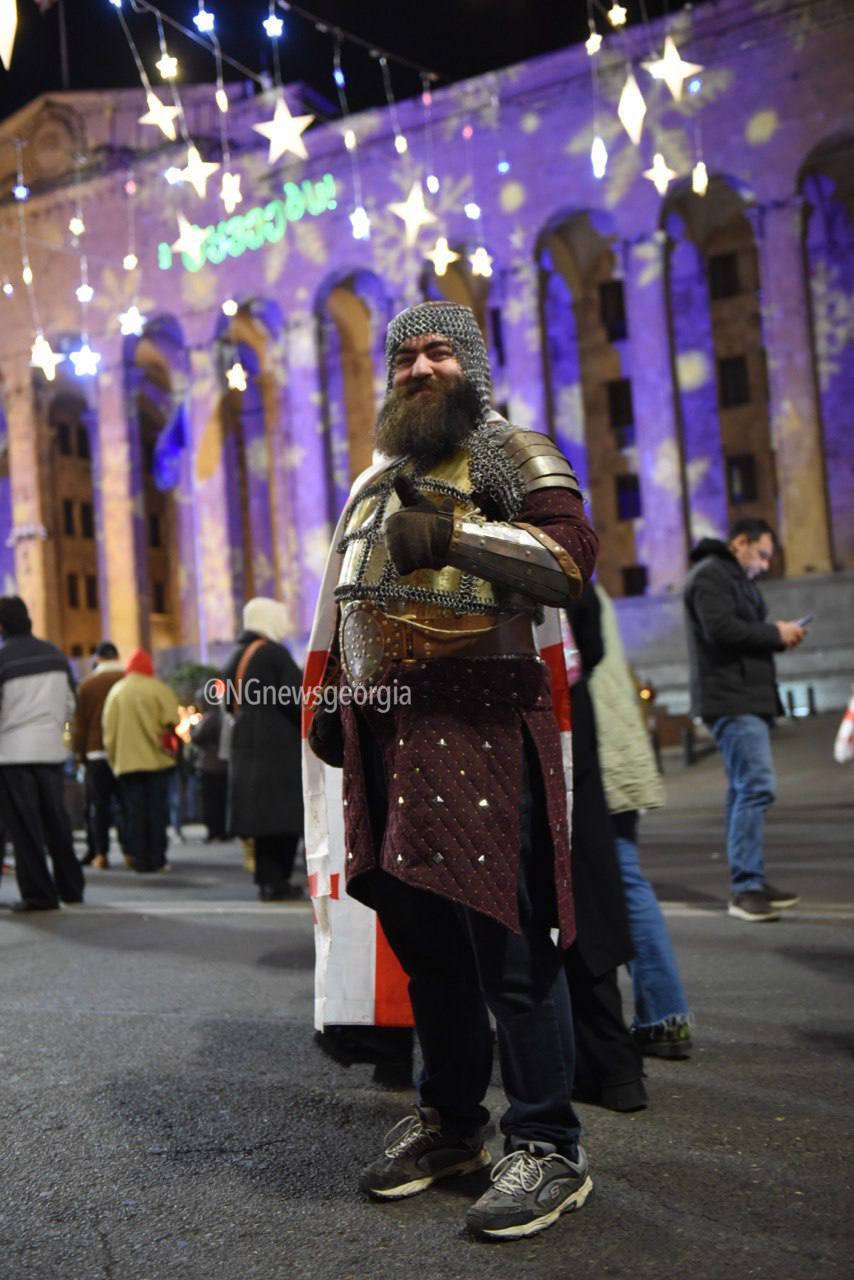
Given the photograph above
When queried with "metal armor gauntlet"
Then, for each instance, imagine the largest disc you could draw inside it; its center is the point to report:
(518, 557)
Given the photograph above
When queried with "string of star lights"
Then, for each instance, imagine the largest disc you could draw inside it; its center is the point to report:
(84, 359)
(41, 355)
(593, 43)
(132, 322)
(401, 146)
(360, 223)
(432, 180)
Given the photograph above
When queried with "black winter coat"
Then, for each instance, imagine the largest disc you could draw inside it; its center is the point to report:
(730, 645)
(603, 939)
(264, 765)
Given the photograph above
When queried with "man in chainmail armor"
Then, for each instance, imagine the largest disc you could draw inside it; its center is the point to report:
(455, 810)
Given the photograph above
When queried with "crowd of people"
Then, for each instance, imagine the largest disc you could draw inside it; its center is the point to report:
(484, 826)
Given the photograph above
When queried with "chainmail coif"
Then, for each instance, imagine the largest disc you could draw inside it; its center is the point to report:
(456, 323)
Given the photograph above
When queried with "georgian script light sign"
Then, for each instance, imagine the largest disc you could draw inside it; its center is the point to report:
(257, 227)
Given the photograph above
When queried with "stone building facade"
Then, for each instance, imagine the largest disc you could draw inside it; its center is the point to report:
(693, 355)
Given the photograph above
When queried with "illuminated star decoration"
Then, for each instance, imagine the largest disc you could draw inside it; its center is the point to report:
(284, 132)
(77, 226)
(191, 238)
(671, 69)
(230, 193)
(617, 15)
(8, 27)
(413, 212)
(167, 66)
(197, 171)
(161, 115)
(593, 43)
(85, 293)
(236, 377)
(441, 256)
(204, 21)
(85, 361)
(660, 174)
(41, 357)
(481, 262)
(132, 322)
(361, 223)
(632, 108)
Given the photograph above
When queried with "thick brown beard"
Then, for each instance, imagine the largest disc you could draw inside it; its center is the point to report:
(426, 424)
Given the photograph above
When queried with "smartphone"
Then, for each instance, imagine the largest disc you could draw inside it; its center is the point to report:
(806, 620)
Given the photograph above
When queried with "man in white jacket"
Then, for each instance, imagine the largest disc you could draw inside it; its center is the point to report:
(36, 702)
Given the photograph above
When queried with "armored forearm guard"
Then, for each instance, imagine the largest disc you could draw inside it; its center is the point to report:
(517, 557)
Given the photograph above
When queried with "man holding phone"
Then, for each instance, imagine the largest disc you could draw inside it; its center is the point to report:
(734, 689)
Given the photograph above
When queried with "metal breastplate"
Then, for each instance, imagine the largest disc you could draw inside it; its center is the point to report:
(368, 574)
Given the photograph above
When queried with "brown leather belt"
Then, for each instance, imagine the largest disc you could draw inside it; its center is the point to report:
(372, 638)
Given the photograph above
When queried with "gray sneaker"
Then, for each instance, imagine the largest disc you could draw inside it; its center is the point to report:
(531, 1187)
(418, 1151)
(753, 906)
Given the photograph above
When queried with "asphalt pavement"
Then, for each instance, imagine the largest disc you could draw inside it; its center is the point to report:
(165, 1112)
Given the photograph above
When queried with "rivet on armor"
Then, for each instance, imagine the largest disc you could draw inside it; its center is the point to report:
(400, 857)
(482, 858)
(442, 742)
(400, 799)
(400, 742)
(349, 856)
(437, 857)
(487, 746)
(483, 804)
(439, 800)
(462, 773)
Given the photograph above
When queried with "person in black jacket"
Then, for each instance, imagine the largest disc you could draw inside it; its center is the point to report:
(264, 765)
(731, 650)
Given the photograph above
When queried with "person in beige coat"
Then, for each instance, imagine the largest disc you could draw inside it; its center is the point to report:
(662, 1021)
(139, 713)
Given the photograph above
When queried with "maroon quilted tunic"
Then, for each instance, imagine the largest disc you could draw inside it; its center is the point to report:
(453, 765)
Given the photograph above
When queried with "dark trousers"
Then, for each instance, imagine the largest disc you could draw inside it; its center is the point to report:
(145, 800)
(274, 858)
(32, 808)
(102, 788)
(214, 799)
(459, 962)
(606, 1054)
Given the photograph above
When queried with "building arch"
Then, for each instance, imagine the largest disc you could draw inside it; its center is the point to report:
(712, 285)
(248, 341)
(826, 186)
(587, 367)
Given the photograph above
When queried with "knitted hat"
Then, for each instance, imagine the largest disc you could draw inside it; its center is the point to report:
(140, 663)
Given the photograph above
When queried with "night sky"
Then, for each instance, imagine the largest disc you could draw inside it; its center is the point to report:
(456, 38)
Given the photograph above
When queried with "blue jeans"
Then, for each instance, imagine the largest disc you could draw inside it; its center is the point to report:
(745, 744)
(656, 985)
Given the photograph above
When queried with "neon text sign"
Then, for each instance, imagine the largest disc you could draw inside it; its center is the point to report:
(264, 224)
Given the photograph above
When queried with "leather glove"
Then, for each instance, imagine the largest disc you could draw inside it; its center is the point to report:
(418, 536)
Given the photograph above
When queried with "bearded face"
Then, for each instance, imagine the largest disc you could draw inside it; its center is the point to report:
(427, 418)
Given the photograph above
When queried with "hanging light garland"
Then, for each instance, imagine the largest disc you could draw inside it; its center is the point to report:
(360, 223)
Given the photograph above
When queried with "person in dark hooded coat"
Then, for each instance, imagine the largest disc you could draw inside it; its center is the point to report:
(264, 775)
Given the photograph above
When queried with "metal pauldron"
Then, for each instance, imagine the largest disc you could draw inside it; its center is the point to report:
(516, 556)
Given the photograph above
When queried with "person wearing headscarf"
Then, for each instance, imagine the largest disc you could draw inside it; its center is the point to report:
(454, 737)
(138, 721)
(264, 772)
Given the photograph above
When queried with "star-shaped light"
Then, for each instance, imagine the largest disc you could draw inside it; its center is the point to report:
(198, 171)
(593, 43)
(481, 262)
(85, 361)
(167, 66)
(599, 157)
(77, 226)
(361, 223)
(660, 174)
(671, 69)
(161, 115)
(284, 132)
(230, 193)
(191, 238)
(41, 357)
(413, 212)
(130, 262)
(132, 322)
(85, 292)
(632, 108)
(699, 179)
(204, 21)
(617, 15)
(236, 377)
(441, 256)
(273, 26)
